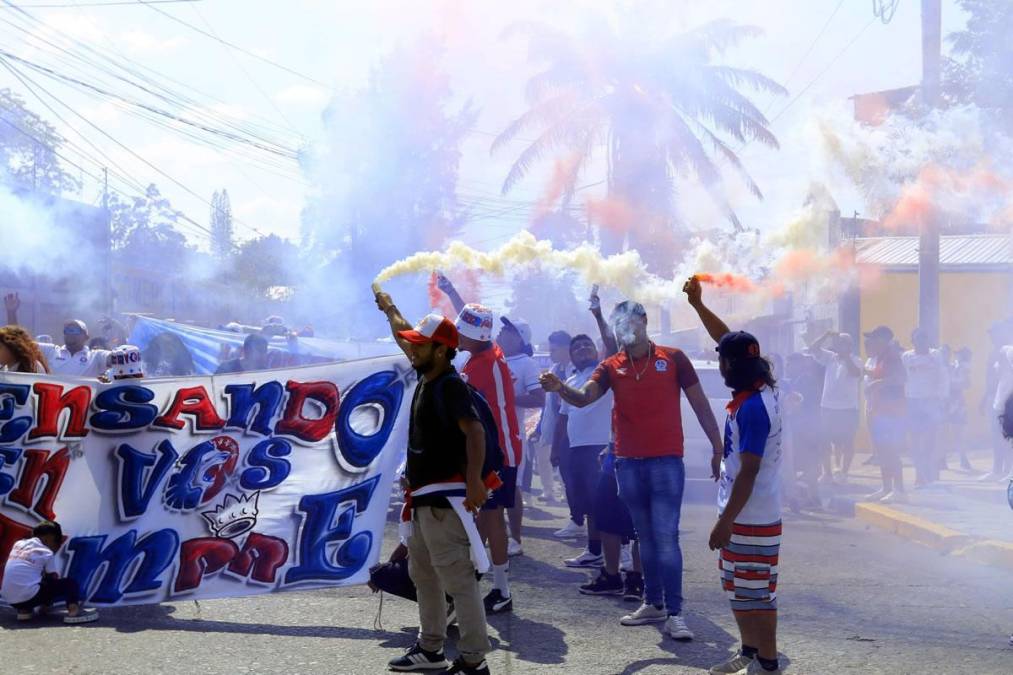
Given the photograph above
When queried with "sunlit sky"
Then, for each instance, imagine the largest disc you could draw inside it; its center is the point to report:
(328, 46)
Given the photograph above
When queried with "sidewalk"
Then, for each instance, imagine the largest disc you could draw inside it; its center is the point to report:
(959, 516)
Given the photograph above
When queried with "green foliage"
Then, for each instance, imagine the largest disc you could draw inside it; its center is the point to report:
(29, 147)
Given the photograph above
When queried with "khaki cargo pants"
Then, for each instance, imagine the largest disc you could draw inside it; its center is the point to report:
(439, 562)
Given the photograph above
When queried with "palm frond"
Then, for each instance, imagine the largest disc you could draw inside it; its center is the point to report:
(545, 114)
(737, 77)
(563, 133)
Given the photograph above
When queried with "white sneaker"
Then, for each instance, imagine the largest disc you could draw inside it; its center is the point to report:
(585, 559)
(514, 548)
(736, 665)
(876, 496)
(894, 497)
(571, 531)
(677, 628)
(647, 613)
(626, 558)
(756, 669)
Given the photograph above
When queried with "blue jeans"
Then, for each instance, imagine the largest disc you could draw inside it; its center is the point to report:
(652, 490)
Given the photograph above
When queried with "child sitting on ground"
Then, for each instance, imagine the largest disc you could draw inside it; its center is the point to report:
(31, 580)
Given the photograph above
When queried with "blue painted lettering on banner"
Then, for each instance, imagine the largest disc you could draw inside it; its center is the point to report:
(244, 398)
(8, 456)
(140, 475)
(267, 468)
(12, 395)
(123, 575)
(384, 389)
(328, 521)
(124, 408)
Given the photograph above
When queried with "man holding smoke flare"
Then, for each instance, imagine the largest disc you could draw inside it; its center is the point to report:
(646, 381)
(748, 530)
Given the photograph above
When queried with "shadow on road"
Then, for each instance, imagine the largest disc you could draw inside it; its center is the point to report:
(529, 640)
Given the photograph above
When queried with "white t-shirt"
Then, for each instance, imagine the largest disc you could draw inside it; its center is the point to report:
(840, 386)
(85, 363)
(28, 561)
(755, 426)
(524, 371)
(1005, 387)
(550, 411)
(590, 425)
(927, 376)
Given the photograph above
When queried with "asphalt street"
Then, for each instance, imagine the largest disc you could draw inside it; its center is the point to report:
(853, 600)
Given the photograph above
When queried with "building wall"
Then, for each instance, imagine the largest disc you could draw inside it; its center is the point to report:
(894, 302)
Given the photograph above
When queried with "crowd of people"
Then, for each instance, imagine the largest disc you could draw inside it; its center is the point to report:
(100, 357)
(915, 405)
(608, 443)
(612, 424)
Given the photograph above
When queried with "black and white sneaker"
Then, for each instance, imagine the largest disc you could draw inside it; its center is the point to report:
(418, 659)
(460, 666)
(604, 584)
(633, 587)
(496, 603)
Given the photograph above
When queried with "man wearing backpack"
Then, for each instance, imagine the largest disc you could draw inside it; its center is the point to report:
(444, 473)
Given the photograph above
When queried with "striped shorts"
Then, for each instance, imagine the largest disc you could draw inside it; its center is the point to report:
(749, 567)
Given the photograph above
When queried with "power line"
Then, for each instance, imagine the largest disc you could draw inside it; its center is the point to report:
(808, 51)
(113, 3)
(93, 176)
(813, 81)
(134, 154)
(232, 45)
(823, 72)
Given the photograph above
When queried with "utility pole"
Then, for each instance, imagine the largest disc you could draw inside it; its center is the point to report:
(109, 303)
(928, 236)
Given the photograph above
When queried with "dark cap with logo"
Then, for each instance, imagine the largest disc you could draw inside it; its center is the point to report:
(737, 345)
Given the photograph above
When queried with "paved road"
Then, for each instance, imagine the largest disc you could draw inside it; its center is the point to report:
(853, 601)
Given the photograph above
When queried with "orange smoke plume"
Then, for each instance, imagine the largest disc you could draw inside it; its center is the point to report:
(936, 187)
(733, 282)
(467, 285)
(614, 213)
(562, 175)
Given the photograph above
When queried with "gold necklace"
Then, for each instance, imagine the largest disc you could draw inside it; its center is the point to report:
(647, 362)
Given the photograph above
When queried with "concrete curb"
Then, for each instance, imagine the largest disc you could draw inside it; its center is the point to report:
(938, 537)
(917, 529)
(989, 552)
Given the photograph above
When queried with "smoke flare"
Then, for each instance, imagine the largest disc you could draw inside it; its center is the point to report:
(623, 271)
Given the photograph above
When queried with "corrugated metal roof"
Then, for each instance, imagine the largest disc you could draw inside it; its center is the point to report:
(954, 250)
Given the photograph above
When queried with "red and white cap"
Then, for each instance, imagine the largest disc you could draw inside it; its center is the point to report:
(432, 328)
(475, 322)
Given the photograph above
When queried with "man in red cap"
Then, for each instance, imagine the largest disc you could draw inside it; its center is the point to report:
(446, 452)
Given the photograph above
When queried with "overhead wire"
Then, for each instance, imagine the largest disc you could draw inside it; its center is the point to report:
(134, 154)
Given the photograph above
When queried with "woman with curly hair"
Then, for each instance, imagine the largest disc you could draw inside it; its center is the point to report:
(19, 352)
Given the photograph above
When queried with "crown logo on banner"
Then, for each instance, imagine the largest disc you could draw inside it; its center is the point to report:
(234, 516)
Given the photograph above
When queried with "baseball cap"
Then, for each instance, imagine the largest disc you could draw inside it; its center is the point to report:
(432, 328)
(738, 345)
(75, 327)
(522, 328)
(475, 322)
(881, 332)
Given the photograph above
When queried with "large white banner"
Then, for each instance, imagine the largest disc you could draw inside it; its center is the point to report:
(206, 487)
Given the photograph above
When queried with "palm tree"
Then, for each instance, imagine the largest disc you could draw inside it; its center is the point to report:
(658, 106)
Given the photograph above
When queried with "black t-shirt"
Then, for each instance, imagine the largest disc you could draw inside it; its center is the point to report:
(230, 366)
(437, 448)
